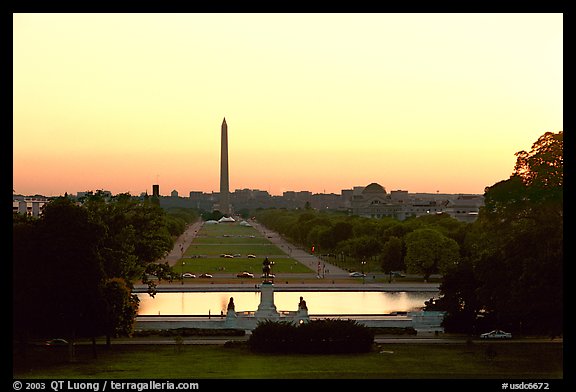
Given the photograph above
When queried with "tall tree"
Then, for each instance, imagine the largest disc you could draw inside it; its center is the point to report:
(516, 247)
(392, 256)
(429, 252)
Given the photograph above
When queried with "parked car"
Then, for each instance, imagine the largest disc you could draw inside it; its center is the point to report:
(397, 274)
(188, 275)
(245, 275)
(357, 275)
(269, 275)
(229, 256)
(251, 256)
(205, 276)
(56, 342)
(496, 334)
(237, 255)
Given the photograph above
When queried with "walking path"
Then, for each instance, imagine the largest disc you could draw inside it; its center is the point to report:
(316, 264)
(182, 243)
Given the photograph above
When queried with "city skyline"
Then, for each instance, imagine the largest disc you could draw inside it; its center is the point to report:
(314, 102)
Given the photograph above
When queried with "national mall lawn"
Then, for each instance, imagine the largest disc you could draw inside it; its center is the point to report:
(528, 360)
(478, 360)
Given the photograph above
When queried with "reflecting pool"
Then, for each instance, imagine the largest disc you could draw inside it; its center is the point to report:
(318, 302)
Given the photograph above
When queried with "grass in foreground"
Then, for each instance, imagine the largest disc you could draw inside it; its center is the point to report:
(386, 361)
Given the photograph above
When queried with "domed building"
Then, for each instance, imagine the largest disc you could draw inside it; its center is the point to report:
(372, 201)
(374, 189)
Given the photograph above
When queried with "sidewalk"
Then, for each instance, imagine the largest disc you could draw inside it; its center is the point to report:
(316, 264)
(182, 243)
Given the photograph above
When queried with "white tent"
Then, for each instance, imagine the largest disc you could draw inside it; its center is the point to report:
(226, 219)
(211, 222)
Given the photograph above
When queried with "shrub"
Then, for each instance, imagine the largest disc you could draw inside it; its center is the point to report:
(328, 336)
(273, 337)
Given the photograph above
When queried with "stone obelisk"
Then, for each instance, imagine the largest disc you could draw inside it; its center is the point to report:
(224, 187)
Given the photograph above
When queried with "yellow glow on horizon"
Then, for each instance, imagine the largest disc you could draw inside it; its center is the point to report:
(319, 102)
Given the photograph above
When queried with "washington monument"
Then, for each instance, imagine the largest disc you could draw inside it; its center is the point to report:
(224, 187)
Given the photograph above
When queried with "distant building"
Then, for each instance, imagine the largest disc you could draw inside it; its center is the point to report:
(465, 207)
(29, 205)
(373, 201)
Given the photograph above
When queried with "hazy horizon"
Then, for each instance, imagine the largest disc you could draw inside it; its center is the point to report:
(316, 102)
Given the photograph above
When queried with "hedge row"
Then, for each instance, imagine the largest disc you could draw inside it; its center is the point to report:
(329, 336)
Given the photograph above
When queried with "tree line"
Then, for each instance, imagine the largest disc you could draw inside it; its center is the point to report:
(505, 270)
(422, 245)
(74, 266)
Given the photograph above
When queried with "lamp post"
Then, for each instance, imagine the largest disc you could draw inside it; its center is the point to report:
(182, 258)
(363, 262)
(182, 275)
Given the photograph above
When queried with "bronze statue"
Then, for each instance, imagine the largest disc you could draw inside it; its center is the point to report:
(266, 268)
(231, 304)
(302, 304)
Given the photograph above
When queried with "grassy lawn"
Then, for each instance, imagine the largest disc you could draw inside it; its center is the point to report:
(238, 264)
(232, 238)
(536, 361)
(217, 248)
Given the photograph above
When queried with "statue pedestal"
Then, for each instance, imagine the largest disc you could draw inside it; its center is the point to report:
(231, 319)
(301, 316)
(267, 309)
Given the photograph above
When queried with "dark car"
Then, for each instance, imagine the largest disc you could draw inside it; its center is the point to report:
(205, 276)
(245, 274)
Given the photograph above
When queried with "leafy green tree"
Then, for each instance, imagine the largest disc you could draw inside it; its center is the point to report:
(514, 276)
(429, 252)
(136, 235)
(392, 256)
(58, 274)
(362, 247)
(74, 267)
(341, 231)
(121, 308)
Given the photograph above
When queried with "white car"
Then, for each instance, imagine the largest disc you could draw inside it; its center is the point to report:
(188, 275)
(496, 334)
(357, 275)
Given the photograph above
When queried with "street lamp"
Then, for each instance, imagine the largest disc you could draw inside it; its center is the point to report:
(182, 275)
(363, 262)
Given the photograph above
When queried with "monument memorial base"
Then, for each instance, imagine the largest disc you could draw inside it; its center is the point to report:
(267, 309)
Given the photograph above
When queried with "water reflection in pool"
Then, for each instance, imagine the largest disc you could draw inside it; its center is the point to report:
(319, 302)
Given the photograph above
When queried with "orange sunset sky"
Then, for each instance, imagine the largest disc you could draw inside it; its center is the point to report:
(318, 102)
